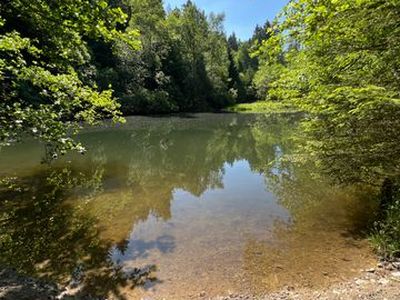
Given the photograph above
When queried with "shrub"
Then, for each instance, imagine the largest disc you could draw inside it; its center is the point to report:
(386, 233)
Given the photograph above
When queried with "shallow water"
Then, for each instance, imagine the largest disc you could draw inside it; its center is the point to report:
(171, 207)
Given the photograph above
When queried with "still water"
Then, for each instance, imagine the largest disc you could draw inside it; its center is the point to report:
(171, 208)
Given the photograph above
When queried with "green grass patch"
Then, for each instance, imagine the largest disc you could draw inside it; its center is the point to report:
(263, 107)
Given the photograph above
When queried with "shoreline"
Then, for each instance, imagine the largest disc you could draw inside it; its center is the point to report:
(379, 283)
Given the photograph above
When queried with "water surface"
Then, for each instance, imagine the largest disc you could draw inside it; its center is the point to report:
(165, 208)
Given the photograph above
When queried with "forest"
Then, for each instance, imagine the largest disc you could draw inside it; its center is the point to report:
(66, 65)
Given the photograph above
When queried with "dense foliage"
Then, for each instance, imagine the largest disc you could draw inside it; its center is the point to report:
(182, 65)
(186, 63)
(340, 61)
(43, 47)
(386, 233)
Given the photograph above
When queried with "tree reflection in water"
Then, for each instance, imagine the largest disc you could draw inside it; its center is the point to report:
(44, 236)
(70, 222)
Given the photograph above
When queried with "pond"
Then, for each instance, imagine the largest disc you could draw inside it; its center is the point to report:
(175, 207)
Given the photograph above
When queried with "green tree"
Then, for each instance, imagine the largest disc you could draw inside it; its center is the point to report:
(233, 42)
(247, 64)
(146, 84)
(182, 65)
(204, 51)
(42, 46)
(339, 60)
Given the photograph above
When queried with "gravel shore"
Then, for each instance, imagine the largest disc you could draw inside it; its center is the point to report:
(380, 283)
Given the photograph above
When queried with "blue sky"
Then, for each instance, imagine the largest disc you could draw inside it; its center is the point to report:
(241, 15)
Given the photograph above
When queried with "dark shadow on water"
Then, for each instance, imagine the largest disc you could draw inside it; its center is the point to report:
(17, 287)
(362, 219)
(176, 115)
(44, 237)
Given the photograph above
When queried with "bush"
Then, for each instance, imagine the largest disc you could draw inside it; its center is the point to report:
(386, 234)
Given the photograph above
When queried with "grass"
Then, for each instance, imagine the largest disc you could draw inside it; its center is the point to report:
(263, 107)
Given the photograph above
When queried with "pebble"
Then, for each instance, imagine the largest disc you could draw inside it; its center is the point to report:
(396, 265)
(360, 281)
(202, 294)
(372, 270)
(383, 281)
(390, 267)
(396, 274)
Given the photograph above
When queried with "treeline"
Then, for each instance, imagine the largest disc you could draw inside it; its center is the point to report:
(186, 62)
(182, 64)
(339, 61)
